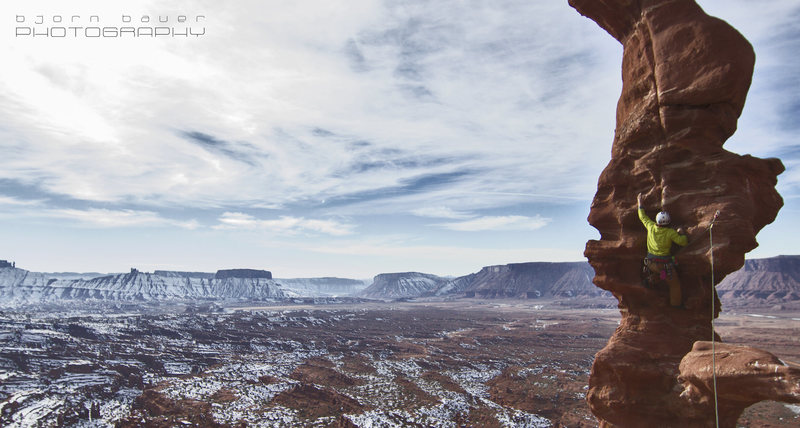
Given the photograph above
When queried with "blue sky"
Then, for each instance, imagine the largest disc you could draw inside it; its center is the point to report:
(335, 138)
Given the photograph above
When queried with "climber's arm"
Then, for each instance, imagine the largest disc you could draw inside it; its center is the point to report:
(680, 238)
(646, 221)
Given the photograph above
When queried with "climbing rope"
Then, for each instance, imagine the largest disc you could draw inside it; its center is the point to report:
(713, 313)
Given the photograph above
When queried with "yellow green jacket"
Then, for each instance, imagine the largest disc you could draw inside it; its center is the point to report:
(660, 239)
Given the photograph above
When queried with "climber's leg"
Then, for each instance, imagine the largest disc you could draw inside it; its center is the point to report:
(675, 298)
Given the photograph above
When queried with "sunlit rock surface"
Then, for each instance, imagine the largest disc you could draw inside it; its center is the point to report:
(685, 79)
(744, 376)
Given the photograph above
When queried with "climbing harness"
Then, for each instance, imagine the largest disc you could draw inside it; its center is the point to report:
(664, 265)
(713, 311)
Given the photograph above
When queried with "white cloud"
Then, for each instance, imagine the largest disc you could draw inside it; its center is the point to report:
(498, 223)
(360, 104)
(105, 218)
(474, 223)
(238, 220)
(284, 225)
(520, 93)
(440, 212)
(16, 202)
(102, 123)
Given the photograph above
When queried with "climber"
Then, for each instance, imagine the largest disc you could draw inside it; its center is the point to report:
(659, 259)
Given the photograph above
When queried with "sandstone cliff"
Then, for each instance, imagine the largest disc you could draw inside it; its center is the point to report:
(525, 281)
(20, 287)
(243, 273)
(771, 281)
(402, 285)
(323, 287)
(685, 79)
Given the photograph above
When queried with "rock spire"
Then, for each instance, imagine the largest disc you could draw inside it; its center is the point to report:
(685, 79)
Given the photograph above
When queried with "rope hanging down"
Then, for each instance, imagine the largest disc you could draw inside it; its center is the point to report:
(713, 313)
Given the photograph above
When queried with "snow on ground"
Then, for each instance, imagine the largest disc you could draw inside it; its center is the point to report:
(240, 362)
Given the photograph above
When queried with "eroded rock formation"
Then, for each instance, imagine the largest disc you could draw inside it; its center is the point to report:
(745, 376)
(685, 79)
(402, 285)
(243, 273)
(763, 282)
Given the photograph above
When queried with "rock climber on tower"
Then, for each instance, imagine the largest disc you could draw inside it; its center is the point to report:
(659, 243)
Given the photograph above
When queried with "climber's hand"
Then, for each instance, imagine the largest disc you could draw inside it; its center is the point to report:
(639, 199)
(681, 231)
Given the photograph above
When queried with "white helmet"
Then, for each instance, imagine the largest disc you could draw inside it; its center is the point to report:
(662, 218)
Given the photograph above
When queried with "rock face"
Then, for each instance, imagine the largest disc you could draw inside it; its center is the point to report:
(745, 376)
(762, 282)
(526, 280)
(20, 287)
(402, 285)
(172, 273)
(243, 273)
(325, 286)
(513, 281)
(685, 78)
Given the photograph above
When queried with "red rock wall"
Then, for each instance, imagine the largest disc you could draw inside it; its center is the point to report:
(685, 79)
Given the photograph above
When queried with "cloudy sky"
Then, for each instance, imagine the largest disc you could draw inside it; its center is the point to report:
(337, 137)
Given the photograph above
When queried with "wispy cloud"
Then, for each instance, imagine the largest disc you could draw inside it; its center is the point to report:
(498, 223)
(105, 218)
(441, 212)
(467, 112)
(284, 225)
(241, 152)
(475, 223)
(434, 87)
(16, 202)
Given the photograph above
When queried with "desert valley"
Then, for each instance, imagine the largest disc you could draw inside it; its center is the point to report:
(518, 355)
